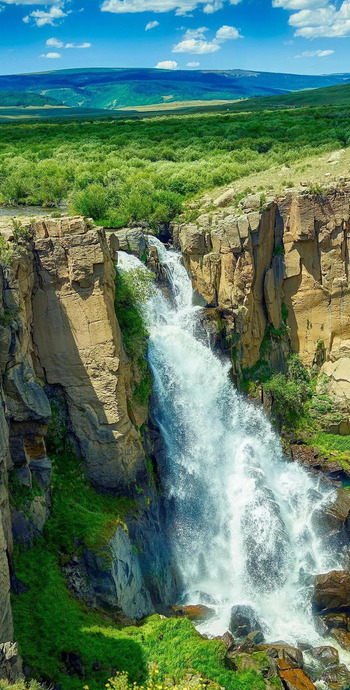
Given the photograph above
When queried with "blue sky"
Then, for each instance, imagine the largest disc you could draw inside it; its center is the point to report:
(301, 36)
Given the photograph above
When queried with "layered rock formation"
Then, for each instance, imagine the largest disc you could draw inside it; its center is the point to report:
(284, 260)
(60, 340)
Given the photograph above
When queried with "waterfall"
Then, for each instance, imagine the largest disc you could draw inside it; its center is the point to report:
(243, 521)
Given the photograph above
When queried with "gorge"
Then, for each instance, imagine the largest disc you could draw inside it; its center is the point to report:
(219, 513)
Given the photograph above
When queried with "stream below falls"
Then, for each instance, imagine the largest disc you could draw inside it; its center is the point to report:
(244, 524)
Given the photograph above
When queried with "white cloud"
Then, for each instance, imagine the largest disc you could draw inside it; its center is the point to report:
(151, 25)
(194, 40)
(50, 17)
(318, 18)
(193, 64)
(196, 47)
(51, 56)
(181, 7)
(196, 33)
(31, 2)
(167, 64)
(315, 53)
(78, 45)
(226, 33)
(298, 4)
(54, 43)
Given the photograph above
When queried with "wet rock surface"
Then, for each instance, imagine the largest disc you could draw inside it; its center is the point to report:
(243, 620)
(332, 591)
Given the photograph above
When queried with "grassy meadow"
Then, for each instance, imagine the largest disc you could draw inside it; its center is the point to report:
(121, 171)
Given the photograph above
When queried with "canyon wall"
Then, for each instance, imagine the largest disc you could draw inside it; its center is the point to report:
(60, 342)
(279, 265)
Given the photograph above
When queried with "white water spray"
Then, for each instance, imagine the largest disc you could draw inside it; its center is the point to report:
(243, 524)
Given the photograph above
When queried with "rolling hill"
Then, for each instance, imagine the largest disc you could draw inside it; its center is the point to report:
(113, 89)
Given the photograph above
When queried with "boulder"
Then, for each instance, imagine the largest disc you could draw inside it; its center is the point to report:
(336, 620)
(332, 591)
(342, 637)
(338, 513)
(294, 678)
(243, 620)
(325, 656)
(337, 677)
(128, 240)
(228, 640)
(291, 656)
(255, 637)
(197, 612)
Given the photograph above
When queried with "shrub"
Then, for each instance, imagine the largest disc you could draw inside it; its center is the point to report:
(5, 252)
(290, 390)
(91, 201)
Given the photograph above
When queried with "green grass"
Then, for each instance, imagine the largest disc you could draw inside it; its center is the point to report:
(78, 511)
(49, 622)
(332, 442)
(20, 685)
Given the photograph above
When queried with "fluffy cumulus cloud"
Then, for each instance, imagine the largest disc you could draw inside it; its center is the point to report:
(181, 7)
(151, 25)
(194, 41)
(315, 53)
(46, 17)
(51, 56)
(54, 43)
(226, 33)
(317, 18)
(193, 64)
(167, 64)
(196, 47)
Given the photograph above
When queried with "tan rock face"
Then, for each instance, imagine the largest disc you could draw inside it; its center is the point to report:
(293, 251)
(78, 346)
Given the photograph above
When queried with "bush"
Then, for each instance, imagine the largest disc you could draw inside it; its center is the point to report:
(91, 201)
(5, 252)
(290, 390)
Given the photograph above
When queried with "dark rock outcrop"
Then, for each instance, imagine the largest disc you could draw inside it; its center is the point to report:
(243, 620)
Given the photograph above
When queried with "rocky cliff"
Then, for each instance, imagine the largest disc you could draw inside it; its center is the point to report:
(60, 343)
(279, 267)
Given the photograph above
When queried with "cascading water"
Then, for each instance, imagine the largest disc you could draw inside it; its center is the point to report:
(243, 522)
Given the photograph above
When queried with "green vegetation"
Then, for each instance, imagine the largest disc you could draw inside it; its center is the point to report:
(78, 511)
(20, 495)
(6, 317)
(132, 289)
(49, 622)
(290, 390)
(331, 442)
(145, 169)
(10, 99)
(5, 252)
(20, 685)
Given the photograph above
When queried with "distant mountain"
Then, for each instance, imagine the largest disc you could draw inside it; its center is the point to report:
(112, 89)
